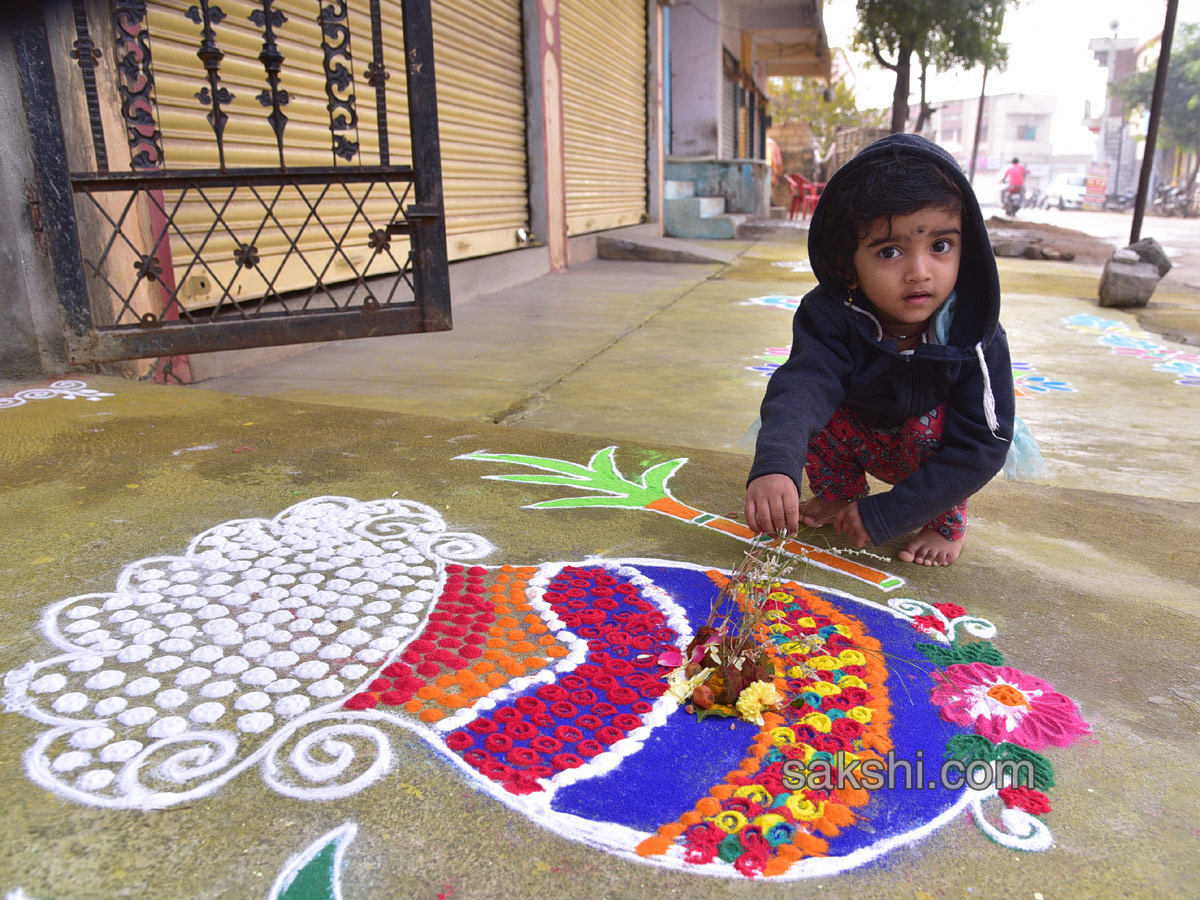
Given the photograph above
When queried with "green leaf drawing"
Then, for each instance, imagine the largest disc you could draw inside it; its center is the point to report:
(975, 651)
(600, 475)
(971, 747)
(315, 873)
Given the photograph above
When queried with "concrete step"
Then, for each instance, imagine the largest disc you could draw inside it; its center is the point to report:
(676, 190)
(685, 217)
(699, 207)
(682, 221)
(773, 229)
(659, 249)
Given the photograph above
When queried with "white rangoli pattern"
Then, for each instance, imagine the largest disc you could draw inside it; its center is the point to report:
(240, 651)
(66, 390)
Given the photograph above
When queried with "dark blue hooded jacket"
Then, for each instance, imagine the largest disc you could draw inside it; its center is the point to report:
(840, 357)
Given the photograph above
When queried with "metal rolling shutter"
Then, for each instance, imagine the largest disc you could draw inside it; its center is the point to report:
(743, 128)
(481, 118)
(604, 112)
(728, 146)
(478, 47)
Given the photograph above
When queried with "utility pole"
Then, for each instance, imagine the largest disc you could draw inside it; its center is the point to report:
(978, 121)
(1156, 101)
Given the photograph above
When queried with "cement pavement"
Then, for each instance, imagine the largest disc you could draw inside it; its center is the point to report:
(1089, 574)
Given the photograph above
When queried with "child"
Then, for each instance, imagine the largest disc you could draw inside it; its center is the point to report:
(899, 366)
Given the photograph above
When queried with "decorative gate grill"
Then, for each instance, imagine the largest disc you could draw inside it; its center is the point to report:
(181, 259)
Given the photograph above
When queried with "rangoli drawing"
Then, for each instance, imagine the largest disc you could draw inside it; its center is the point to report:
(300, 646)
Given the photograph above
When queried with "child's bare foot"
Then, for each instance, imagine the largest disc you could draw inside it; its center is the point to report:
(931, 548)
(816, 513)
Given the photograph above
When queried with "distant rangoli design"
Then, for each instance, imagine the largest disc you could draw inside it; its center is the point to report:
(1133, 342)
(1029, 384)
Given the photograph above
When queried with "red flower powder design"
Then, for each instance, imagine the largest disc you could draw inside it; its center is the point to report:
(928, 624)
(1025, 798)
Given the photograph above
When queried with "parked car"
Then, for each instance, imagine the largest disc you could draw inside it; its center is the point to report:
(1066, 191)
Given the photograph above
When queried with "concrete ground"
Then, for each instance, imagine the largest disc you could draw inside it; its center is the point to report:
(1089, 573)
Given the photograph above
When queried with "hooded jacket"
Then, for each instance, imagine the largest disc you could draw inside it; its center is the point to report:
(840, 357)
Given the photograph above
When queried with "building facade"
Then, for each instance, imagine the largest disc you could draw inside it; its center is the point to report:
(554, 118)
(1012, 125)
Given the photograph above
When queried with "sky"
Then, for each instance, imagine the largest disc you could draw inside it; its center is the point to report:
(1048, 54)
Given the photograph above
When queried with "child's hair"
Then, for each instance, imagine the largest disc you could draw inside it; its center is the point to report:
(898, 185)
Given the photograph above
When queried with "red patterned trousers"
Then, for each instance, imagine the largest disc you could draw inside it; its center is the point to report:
(846, 450)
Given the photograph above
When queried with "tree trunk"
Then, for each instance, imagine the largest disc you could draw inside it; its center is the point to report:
(900, 94)
(925, 111)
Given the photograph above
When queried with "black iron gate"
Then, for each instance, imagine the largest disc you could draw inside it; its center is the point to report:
(125, 244)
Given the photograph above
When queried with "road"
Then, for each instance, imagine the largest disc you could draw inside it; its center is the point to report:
(1179, 237)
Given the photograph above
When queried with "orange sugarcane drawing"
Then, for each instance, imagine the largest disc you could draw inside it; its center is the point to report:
(650, 491)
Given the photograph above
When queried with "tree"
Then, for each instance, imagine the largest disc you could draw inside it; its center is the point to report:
(1179, 126)
(804, 100)
(940, 33)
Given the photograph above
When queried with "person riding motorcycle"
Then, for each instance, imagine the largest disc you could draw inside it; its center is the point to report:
(1014, 193)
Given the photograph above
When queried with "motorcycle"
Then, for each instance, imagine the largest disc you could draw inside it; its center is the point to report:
(1122, 202)
(1012, 198)
(1169, 200)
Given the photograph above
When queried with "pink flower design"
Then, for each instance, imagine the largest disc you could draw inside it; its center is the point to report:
(1006, 704)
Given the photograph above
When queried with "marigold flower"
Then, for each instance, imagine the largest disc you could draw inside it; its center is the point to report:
(755, 699)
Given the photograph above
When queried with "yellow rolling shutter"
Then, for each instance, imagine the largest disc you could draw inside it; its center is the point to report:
(478, 49)
(481, 120)
(604, 112)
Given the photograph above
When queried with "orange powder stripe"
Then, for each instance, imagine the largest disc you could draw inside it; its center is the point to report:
(734, 528)
(676, 510)
(673, 508)
(509, 652)
(866, 573)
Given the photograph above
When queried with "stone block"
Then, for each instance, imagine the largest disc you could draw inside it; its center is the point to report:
(1127, 283)
(1010, 249)
(1150, 251)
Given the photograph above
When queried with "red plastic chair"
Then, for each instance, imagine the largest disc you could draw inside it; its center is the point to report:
(805, 195)
(813, 193)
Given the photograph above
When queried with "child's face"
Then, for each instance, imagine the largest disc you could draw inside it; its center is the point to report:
(908, 265)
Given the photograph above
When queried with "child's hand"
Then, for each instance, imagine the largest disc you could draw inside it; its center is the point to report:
(849, 522)
(773, 504)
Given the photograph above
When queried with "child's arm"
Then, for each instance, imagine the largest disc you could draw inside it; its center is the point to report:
(800, 398)
(773, 504)
(969, 457)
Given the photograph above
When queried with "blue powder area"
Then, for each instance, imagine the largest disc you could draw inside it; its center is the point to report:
(681, 760)
(684, 758)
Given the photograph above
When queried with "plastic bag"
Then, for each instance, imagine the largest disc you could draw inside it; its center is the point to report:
(750, 438)
(1024, 461)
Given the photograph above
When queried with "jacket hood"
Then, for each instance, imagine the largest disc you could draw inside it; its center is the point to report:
(977, 313)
